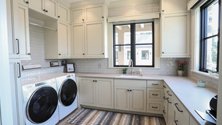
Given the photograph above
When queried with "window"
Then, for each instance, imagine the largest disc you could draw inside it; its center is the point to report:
(134, 41)
(209, 43)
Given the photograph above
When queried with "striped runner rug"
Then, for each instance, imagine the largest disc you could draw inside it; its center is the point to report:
(97, 117)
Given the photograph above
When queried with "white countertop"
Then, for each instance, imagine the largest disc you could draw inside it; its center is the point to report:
(185, 88)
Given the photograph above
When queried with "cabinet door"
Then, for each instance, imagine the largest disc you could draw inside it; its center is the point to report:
(63, 13)
(192, 121)
(51, 8)
(94, 13)
(175, 35)
(36, 5)
(94, 39)
(23, 36)
(138, 99)
(174, 6)
(170, 111)
(87, 92)
(78, 45)
(13, 41)
(104, 88)
(122, 98)
(77, 15)
(15, 79)
(24, 2)
(63, 40)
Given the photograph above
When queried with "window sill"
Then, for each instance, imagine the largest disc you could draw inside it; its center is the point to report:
(205, 74)
(134, 67)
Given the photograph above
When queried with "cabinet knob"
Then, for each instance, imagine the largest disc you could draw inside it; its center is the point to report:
(83, 53)
(29, 53)
(59, 54)
(102, 16)
(58, 16)
(103, 53)
(44, 10)
(130, 90)
(82, 19)
(162, 10)
(27, 2)
(162, 52)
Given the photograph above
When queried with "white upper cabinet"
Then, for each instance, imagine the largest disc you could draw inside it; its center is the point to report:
(64, 40)
(23, 34)
(13, 41)
(78, 44)
(37, 5)
(94, 13)
(50, 7)
(77, 15)
(173, 6)
(94, 39)
(175, 32)
(63, 13)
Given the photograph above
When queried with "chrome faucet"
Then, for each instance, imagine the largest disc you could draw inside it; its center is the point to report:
(131, 63)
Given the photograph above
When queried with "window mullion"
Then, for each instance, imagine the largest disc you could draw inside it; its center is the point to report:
(133, 41)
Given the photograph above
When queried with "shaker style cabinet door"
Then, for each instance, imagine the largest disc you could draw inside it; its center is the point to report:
(63, 13)
(122, 98)
(138, 99)
(37, 5)
(13, 40)
(24, 2)
(50, 7)
(175, 35)
(78, 43)
(64, 40)
(94, 13)
(23, 35)
(77, 15)
(94, 39)
(104, 89)
(87, 92)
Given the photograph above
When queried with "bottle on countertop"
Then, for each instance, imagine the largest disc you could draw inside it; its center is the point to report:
(140, 71)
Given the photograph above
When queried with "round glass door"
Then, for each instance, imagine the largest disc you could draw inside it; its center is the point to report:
(42, 105)
(68, 92)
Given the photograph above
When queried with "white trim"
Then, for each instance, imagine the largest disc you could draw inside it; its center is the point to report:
(191, 3)
(205, 74)
(134, 17)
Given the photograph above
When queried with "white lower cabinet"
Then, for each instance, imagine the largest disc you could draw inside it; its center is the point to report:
(181, 115)
(96, 92)
(192, 121)
(130, 95)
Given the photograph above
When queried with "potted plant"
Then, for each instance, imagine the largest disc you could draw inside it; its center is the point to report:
(180, 69)
(124, 70)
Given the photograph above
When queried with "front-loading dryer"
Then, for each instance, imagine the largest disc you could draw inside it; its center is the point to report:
(41, 103)
(67, 94)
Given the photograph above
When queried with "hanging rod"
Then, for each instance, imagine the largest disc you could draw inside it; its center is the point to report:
(34, 24)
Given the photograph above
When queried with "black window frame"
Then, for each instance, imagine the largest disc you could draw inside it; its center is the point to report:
(133, 44)
(204, 37)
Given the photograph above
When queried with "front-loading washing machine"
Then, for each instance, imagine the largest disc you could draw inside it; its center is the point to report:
(41, 103)
(67, 95)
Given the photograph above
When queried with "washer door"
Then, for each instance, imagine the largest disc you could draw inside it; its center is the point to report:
(42, 105)
(68, 92)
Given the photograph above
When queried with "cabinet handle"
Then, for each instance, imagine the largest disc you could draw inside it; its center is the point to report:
(46, 10)
(18, 51)
(83, 53)
(164, 112)
(177, 107)
(103, 53)
(131, 90)
(19, 70)
(164, 98)
(162, 10)
(164, 86)
(154, 107)
(155, 84)
(128, 90)
(155, 94)
(169, 93)
(27, 2)
(58, 16)
(82, 19)
(162, 52)
(168, 100)
(94, 80)
(59, 54)
(176, 121)
(102, 16)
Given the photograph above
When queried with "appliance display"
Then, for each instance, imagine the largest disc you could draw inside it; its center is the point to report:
(41, 103)
(67, 95)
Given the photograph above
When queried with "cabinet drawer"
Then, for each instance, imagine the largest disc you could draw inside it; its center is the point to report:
(155, 94)
(130, 83)
(154, 107)
(154, 84)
